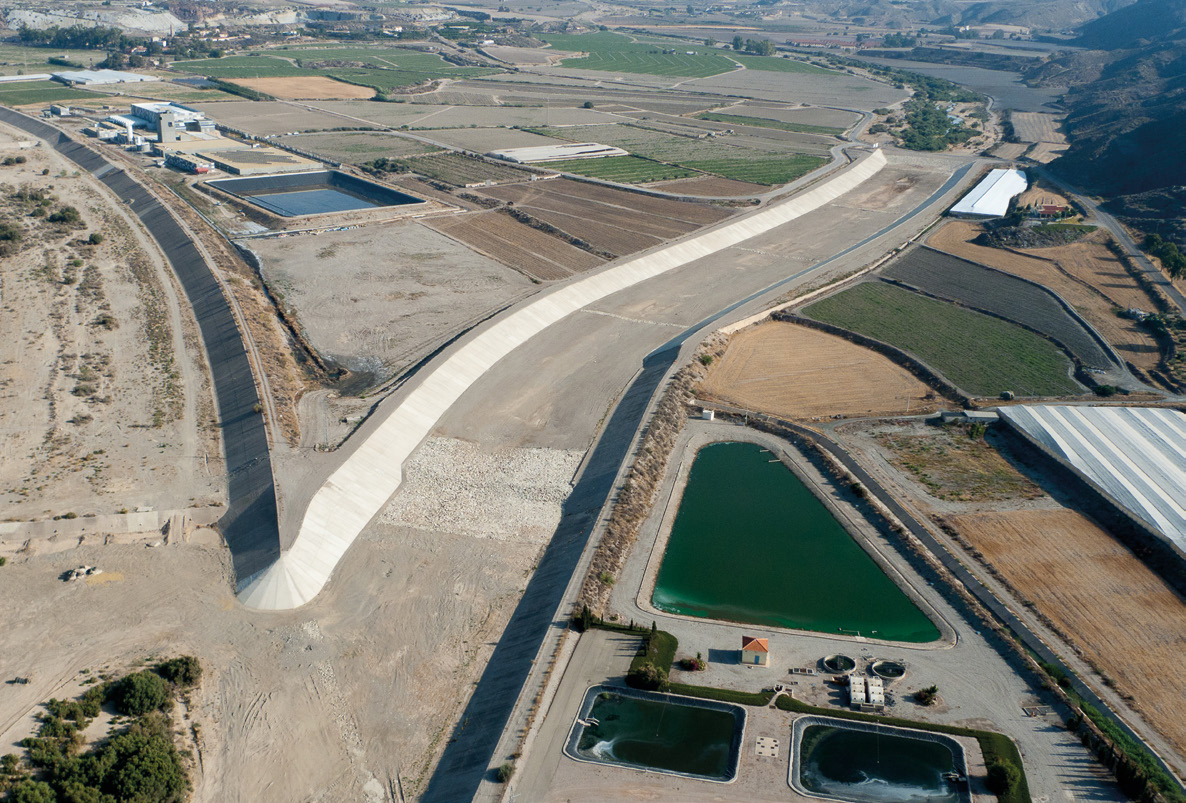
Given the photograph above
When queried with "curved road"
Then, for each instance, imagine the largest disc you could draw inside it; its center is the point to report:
(249, 525)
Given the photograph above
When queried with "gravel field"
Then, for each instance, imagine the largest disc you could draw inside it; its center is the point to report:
(454, 485)
(373, 298)
(968, 283)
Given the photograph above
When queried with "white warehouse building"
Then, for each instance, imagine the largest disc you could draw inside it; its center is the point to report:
(990, 198)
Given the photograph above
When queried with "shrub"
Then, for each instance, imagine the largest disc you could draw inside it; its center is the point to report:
(706, 359)
(140, 693)
(3, 561)
(67, 214)
(505, 772)
(926, 696)
(95, 238)
(183, 671)
(32, 792)
(1002, 778)
(10, 763)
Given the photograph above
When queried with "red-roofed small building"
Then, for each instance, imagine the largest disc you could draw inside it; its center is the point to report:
(755, 651)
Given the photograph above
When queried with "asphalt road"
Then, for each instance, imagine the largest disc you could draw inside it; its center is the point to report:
(249, 525)
(468, 753)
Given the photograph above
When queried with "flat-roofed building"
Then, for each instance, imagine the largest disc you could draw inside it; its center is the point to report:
(99, 77)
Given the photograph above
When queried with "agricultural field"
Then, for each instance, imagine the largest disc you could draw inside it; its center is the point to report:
(17, 59)
(622, 169)
(614, 52)
(969, 284)
(516, 245)
(712, 187)
(25, 93)
(1086, 274)
(242, 67)
(310, 87)
(610, 220)
(1037, 127)
(735, 162)
(460, 170)
(809, 115)
(797, 372)
(982, 355)
(269, 118)
(357, 146)
(1122, 615)
(764, 122)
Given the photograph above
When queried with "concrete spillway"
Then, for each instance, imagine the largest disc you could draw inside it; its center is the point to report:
(367, 479)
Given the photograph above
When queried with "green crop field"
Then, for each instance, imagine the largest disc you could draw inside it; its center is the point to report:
(25, 93)
(763, 122)
(776, 64)
(623, 169)
(613, 52)
(16, 59)
(764, 169)
(243, 67)
(981, 354)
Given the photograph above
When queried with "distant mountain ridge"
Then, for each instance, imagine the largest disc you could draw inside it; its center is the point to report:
(1138, 25)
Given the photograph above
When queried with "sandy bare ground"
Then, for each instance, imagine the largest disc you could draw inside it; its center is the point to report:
(797, 372)
(104, 404)
(1085, 274)
(316, 703)
(710, 186)
(1103, 598)
(313, 87)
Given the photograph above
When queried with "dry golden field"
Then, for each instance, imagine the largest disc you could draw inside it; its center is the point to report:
(1122, 616)
(311, 87)
(793, 371)
(1071, 271)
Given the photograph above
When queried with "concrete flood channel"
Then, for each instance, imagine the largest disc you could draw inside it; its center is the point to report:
(752, 544)
(658, 732)
(857, 761)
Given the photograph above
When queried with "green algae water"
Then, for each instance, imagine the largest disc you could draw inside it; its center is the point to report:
(752, 544)
(862, 766)
(661, 734)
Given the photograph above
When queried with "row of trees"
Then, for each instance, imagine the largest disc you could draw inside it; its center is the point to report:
(758, 47)
(1170, 255)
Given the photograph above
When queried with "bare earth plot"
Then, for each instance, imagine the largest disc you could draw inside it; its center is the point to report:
(797, 372)
(612, 220)
(484, 140)
(1038, 127)
(357, 146)
(516, 245)
(371, 298)
(101, 397)
(710, 186)
(310, 87)
(269, 117)
(1101, 596)
(1086, 274)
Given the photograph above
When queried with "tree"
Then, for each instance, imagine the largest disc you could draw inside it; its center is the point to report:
(738, 42)
(183, 671)
(1002, 778)
(33, 792)
(588, 104)
(140, 693)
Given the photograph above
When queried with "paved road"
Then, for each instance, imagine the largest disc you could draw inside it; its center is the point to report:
(468, 754)
(249, 525)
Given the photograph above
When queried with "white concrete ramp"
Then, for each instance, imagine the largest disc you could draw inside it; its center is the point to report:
(369, 477)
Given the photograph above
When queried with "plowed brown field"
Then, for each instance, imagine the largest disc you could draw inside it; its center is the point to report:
(1071, 271)
(1121, 614)
(790, 370)
(311, 87)
(516, 245)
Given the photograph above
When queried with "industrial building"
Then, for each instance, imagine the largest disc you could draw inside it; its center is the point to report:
(866, 694)
(1132, 456)
(100, 77)
(557, 153)
(990, 198)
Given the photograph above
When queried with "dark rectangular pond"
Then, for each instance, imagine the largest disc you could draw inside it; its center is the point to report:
(314, 193)
(873, 764)
(752, 544)
(658, 732)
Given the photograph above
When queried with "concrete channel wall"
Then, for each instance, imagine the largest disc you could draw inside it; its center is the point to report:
(369, 476)
(249, 526)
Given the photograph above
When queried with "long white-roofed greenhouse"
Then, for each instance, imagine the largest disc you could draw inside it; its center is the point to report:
(1136, 455)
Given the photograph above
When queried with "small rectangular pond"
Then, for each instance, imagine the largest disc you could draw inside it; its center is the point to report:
(752, 544)
(661, 732)
(870, 763)
(313, 193)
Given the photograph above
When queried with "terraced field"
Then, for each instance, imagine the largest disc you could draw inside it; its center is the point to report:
(516, 245)
(459, 170)
(765, 122)
(968, 283)
(772, 163)
(1086, 274)
(611, 220)
(980, 354)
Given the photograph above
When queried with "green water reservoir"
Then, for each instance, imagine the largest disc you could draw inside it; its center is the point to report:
(660, 732)
(752, 544)
(875, 767)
